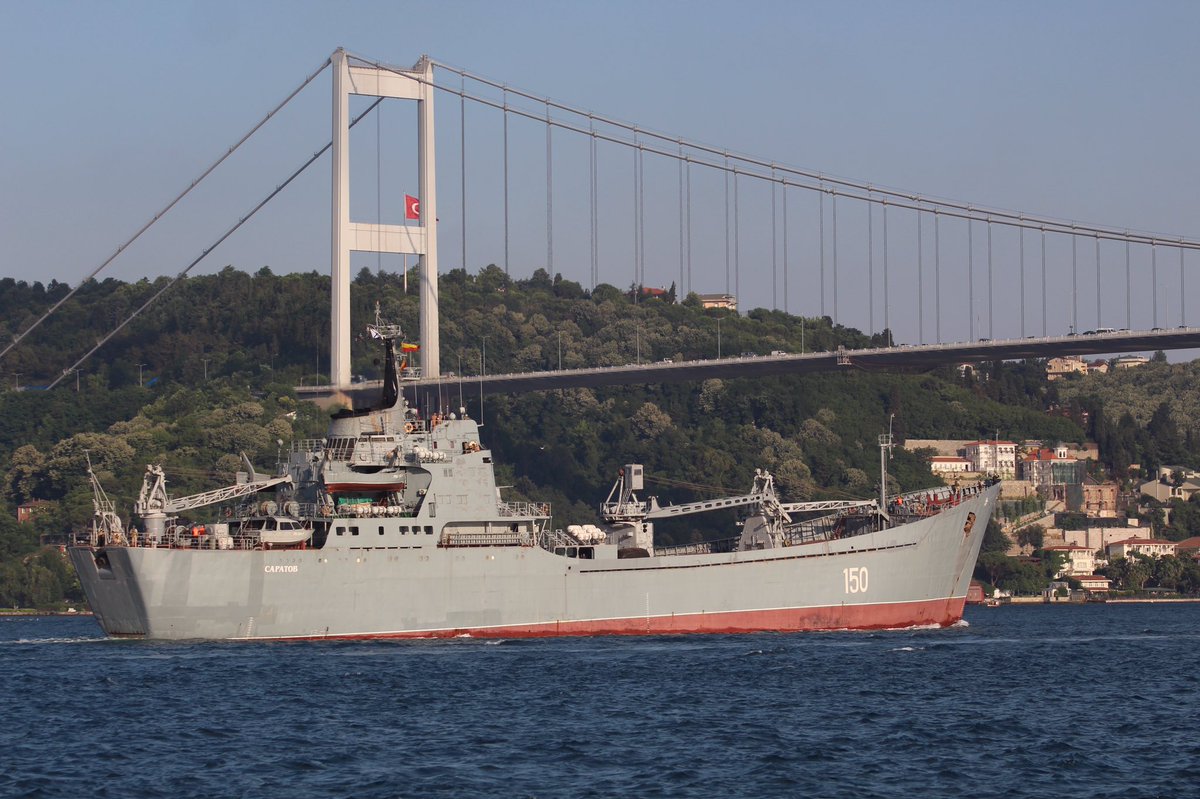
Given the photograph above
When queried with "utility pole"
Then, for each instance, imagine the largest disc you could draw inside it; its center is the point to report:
(206, 360)
(140, 366)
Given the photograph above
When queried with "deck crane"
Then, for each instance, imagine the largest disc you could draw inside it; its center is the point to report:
(764, 528)
(154, 506)
(107, 527)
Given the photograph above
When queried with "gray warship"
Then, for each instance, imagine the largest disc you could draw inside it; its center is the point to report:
(393, 526)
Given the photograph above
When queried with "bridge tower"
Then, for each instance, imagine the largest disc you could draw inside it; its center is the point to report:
(418, 239)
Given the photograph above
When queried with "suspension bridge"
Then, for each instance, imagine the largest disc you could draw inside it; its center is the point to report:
(631, 206)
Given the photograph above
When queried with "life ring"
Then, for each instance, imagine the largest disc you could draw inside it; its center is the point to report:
(408, 427)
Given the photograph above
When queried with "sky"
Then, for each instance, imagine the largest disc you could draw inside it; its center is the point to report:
(1075, 110)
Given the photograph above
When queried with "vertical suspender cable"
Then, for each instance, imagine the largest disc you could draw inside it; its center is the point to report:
(592, 178)
(549, 193)
(1182, 293)
(1021, 246)
(937, 274)
(786, 310)
(991, 283)
(870, 266)
(821, 226)
(1043, 282)
(887, 318)
(774, 241)
(1154, 280)
(636, 270)
(462, 160)
(378, 184)
(920, 279)
(1128, 289)
(689, 222)
(1074, 285)
(641, 206)
(971, 277)
(504, 114)
(737, 241)
(726, 173)
(1098, 316)
(679, 164)
(835, 263)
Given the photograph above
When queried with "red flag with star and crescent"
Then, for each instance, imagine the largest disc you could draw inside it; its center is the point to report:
(412, 207)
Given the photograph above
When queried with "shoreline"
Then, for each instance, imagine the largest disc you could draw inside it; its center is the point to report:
(1029, 600)
(21, 613)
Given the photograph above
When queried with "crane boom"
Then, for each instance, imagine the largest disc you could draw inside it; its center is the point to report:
(153, 500)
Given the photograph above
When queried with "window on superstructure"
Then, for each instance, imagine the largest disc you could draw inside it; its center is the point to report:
(381, 529)
(353, 531)
(341, 531)
(428, 530)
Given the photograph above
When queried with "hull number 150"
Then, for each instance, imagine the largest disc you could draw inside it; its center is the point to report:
(855, 580)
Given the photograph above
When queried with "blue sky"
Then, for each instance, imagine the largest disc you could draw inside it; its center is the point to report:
(1083, 111)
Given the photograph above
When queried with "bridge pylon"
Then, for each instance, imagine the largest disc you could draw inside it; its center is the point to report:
(419, 238)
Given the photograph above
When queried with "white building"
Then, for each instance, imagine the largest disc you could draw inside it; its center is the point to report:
(1154, 547)
(945, 464)
(993, 457)
(1079, 560)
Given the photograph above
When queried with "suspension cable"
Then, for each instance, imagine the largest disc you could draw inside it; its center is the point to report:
(897, 198)
(104, 340)
(311, 77)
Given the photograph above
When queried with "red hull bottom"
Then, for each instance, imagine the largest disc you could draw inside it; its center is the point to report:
(935, 612)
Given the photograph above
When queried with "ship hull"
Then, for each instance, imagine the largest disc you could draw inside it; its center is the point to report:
(914, 574)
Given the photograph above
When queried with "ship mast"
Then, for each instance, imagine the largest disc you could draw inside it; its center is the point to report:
(885, 453)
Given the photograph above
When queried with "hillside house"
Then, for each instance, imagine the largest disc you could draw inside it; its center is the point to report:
(723, 301)
(1153, 547)
(993, 457)
(1078, 560)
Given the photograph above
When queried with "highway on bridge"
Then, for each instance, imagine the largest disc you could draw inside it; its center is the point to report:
(899, 358)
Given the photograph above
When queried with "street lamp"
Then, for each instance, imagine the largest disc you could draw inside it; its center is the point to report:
(140, 365)
(206, 360)
(718, 338)
(560, 350)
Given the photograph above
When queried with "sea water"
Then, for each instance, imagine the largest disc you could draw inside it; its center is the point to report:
(1046, 701)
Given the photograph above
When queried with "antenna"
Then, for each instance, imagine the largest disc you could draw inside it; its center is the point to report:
(885, 453)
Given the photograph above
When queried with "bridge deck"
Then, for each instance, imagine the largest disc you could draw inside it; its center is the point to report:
(924, 356)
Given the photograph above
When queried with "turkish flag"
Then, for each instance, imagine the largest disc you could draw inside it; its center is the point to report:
(412, 207)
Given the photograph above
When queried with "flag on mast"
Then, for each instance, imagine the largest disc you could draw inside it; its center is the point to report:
(412, 207)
